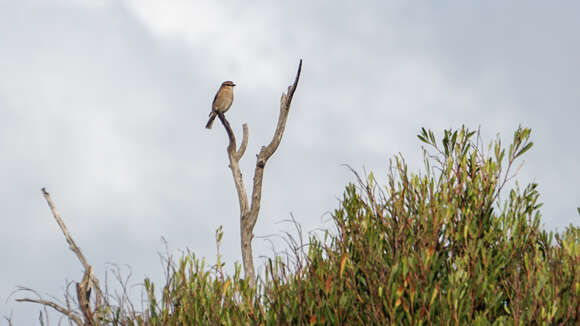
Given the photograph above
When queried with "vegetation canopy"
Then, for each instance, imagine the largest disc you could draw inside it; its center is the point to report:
(441, 247)
(453, 245)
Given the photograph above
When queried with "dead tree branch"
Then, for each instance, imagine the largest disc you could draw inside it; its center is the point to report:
(70, 314)
(83, 288)
(84, 296)
(249, 212)
(73, 246)
(234, 157)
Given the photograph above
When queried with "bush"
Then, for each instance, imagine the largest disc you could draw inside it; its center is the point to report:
(442, 247)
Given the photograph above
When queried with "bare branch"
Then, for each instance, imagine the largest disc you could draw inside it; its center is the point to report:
(9, 319)
(285, 102)
(84, 296)
(234, 162)
(267, 152)
(249, 220)
(40, 319)
(73, 246)
(69, 239)
(231, 136)
(56, 307)
(249, 216)
(232, 146)
(244, 144)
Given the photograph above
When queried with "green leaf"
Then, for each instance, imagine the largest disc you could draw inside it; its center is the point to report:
(219, 233)
(424, 136)
(343, 301)
(432, 137)
(525, 149)
(454, 139)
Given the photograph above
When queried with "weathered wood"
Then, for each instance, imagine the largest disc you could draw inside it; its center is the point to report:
(83, 289)
(249, 212)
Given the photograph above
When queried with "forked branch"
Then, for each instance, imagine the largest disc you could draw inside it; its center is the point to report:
(249, 213)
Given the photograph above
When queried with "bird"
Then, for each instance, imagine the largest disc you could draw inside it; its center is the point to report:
(222, 101)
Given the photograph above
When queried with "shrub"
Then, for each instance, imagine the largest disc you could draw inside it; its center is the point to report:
(439, 247)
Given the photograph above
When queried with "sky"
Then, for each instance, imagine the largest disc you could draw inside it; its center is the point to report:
(104, 103)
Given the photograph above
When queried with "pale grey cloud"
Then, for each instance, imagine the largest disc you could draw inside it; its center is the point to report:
(104, 103)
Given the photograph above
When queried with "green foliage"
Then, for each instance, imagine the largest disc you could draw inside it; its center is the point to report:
(444, 249)
(441, 247)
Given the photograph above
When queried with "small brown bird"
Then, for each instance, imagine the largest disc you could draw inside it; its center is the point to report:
(222, 101)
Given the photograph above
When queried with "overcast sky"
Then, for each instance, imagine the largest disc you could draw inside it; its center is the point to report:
(104, 103)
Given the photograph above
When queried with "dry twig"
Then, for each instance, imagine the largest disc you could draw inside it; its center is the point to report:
(70, 314)
(83, 288)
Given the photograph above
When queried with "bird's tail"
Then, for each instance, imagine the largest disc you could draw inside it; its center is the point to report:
(212, 116)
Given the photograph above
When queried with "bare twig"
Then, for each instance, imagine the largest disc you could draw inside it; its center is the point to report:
(69, 239)
(41, 318)
(244, 144)
(83, 289)
(73, 246)
(9, 319)
(69, 313)
(249, 213)
(234, 164)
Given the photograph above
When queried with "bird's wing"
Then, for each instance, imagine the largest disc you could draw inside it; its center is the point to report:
(215, 99)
